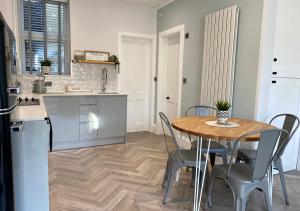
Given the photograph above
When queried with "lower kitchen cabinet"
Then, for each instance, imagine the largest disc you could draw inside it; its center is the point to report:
(64, 115)
(112, 116)
(87, 121)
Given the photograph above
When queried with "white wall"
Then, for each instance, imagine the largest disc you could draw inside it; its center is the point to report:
(95, 24)
(7, 8)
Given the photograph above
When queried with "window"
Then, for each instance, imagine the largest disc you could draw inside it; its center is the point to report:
(44, 33)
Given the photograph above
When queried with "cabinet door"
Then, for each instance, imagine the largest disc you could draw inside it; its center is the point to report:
(286, 43)
(64, 114)
(284, 98)
(112, 116)
(88, 113)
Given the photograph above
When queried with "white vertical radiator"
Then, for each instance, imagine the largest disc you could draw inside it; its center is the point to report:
(219, 54)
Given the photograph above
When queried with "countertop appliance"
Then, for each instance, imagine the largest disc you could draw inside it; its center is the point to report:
(7, 105)
(39, 86)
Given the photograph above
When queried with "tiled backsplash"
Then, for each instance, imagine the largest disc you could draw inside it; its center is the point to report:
(85, 76)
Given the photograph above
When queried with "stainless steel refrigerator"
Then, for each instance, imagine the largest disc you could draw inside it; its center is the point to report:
(7, 105)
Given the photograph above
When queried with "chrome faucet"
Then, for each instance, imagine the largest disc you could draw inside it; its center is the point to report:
(104, 79)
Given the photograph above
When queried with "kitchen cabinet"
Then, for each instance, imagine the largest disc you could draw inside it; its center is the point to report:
(112, 116)
(64, 115)
(285, 98)
(83, 121)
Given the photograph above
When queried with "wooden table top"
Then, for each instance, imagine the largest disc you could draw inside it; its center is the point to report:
(195, 125)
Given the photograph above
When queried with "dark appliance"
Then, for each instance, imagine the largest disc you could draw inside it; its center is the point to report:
(7, 103)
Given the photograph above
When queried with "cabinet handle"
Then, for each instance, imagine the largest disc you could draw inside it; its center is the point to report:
(168, 98)
(273, 82)
(275, 59)
(274, 73)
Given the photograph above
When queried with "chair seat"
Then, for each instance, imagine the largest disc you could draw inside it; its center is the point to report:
(248, 154)
(239, 172)
(213, 145)
(187, 155)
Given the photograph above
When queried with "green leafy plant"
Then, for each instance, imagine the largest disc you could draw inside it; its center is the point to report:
(223, 105)
(46, 62)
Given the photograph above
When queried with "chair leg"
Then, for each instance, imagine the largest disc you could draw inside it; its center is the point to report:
(265, 189)
(240, 203)
(193, 176)
(172, 173)
(224, 157)
(212, 157)
(210, 186)
(278, 165)
(166, 175)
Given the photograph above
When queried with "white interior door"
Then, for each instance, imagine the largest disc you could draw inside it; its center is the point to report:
(135, 81)
(172, 75)
(285, 98)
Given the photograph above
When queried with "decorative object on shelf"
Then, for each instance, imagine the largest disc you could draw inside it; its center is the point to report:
(92, 62)
(115, 59)
(45, 66)
(223, 107)
(78, 55)
(96, 56)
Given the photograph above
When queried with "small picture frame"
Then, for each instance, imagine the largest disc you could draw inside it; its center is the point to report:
(96, 56)
(78, 55)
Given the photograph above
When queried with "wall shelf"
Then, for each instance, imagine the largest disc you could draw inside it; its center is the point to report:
(93, 62)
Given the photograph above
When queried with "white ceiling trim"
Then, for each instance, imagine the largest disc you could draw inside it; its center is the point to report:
(165, 4)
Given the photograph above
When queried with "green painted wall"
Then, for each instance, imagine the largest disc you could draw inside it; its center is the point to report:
(191, 13)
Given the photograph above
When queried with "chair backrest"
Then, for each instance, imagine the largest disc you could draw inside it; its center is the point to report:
(265, 153)
(291, 124)
(200, 110)
(170, 145)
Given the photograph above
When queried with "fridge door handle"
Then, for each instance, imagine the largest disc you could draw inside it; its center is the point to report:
(5, 111)
(50, 134)
(16, 127)
(9, 110)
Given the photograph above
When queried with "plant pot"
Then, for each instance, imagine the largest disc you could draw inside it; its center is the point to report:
(46, 70)
(222, 117)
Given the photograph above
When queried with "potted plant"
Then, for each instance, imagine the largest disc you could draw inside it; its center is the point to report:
(46, 65)
(223, 107)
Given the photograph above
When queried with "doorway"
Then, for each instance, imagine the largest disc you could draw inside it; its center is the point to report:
(137, 58)
(169, 87)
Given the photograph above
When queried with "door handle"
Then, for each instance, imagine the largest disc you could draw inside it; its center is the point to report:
(16, 127)
(168, 98)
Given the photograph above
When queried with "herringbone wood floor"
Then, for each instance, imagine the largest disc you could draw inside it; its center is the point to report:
(128, 177)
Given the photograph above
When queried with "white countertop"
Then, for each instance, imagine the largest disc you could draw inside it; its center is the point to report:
(39, 112)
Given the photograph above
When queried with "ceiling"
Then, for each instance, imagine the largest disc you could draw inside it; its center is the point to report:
(148, 3)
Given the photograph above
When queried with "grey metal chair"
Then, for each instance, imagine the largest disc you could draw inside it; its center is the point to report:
(242, 178)
(291, 124)
(178, 158)
(215, 147)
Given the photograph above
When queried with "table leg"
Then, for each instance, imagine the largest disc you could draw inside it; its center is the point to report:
(197, 174)
(198, 195)
(204, 172)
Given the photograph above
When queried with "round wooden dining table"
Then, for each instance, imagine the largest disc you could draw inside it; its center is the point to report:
(198, 126)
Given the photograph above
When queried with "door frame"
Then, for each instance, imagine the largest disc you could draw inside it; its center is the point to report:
(152, 72)
(162, 65)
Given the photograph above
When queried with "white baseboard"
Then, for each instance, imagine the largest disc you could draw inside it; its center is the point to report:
(156, 129)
